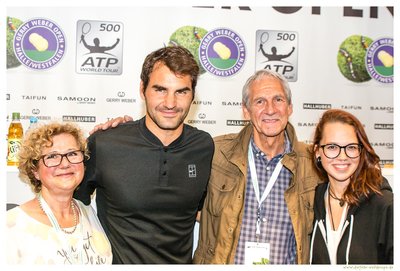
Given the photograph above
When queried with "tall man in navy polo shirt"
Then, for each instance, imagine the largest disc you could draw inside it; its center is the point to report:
(151, 175)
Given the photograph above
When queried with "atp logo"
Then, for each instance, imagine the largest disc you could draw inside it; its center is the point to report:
(276, 50)
(99, 47)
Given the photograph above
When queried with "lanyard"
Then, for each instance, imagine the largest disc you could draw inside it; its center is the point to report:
(60, 234)
(254, 180)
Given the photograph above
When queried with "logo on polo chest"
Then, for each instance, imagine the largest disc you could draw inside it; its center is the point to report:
(192, 171)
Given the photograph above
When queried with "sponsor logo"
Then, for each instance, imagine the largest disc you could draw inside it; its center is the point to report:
(36, 111)
(237, 122)
(192, 171)
(350, 58)
(222, 52)
(202, 102)
(306, 124)
(99, 47)
(12, 26)
(317, 106)
(388, 109)
(189, 37)
(79, 118)
(120, 98)
(365, 12)
(380, 60)
(387, 145)
(34, 98)
(39, 44)
(276, 50)
(383, 126)
(231, 103)
(246, 8)
(348, 11)
(386, 162)
(201, 120)
(351, 107)
(78, 100)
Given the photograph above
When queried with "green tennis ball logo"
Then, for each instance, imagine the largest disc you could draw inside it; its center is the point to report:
(351, 58)
(12, 26)
(190, 38)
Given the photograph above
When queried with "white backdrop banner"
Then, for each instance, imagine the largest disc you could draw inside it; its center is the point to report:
(83, 64)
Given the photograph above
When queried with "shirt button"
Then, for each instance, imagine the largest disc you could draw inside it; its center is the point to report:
(268, 168)
(230, 230)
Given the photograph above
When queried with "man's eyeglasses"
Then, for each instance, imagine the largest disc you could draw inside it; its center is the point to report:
(352, 150)
(55, 159)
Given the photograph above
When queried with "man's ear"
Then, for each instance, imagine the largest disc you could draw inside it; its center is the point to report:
(141, 89)
(246, 113)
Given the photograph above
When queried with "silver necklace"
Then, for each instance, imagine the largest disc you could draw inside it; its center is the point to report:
(73, 212)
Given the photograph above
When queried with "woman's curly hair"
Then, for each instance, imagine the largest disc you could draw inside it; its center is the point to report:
(41, 137)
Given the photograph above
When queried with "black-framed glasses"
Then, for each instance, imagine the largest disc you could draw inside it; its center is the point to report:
(55, 159)
(331, 151)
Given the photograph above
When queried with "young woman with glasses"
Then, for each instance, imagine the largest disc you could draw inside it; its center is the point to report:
(53, 228)
(353, 209)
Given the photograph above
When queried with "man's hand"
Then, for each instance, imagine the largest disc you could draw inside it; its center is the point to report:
(114, 122)
(198, 216)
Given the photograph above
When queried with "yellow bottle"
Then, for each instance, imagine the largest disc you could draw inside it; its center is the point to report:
(15, 133)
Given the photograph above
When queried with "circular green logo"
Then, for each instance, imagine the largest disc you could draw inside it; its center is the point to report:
(351, 58)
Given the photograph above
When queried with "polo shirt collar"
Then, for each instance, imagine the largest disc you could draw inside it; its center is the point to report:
(153, 139)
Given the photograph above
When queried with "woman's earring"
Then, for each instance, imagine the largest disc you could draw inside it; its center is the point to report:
(319, 164)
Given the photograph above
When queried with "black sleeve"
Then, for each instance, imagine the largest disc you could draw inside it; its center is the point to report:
(85, 190)
(385, 241)
(209, 161)
(201, 203)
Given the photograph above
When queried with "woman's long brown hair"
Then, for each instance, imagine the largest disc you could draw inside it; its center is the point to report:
(367, 178)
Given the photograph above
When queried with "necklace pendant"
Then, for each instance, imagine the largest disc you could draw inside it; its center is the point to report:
(333, 195)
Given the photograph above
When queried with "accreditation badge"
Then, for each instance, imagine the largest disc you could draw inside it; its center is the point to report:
(256, 253)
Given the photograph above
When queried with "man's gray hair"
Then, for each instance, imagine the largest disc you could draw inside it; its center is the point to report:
(261, 74)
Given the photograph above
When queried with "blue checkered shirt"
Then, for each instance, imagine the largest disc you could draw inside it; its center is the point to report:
(277, 230)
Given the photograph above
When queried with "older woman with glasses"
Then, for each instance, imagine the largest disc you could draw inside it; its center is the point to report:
(353, 209)
(53, 228)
